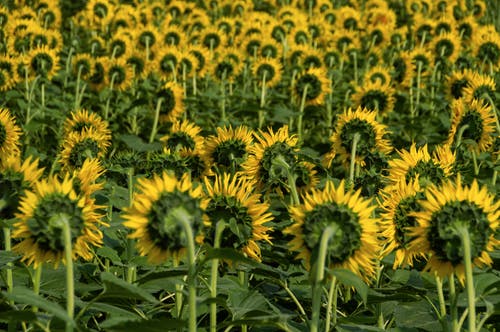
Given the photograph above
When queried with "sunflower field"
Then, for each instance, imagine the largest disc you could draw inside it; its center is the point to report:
(239, 165)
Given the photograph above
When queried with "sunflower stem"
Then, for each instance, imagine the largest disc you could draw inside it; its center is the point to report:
(442, 304)
(469, 280)
(242, 276)
(453, 303)
(36, 282)
(183, 217)
(195, 92)
(42, 93)
(77, 88)
(494, 108)
(262, 100)
(355, 141)
(68, 61)
(301, 112)
(474, 162)
(355, 59)
(8, 247)
(70, 286)
(219, 228)
(460, 134)
(294, 298)
(319, 274)
(131, 269)
(108, 101)
(419, 81)
(155, 122)
(494, 178)
(178, 294)
(331, 312)
(184, 86)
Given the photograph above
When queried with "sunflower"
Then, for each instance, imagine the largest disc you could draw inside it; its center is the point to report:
(271, 49)
(82, 65)
(446, 46)
(232, 200)
(421, 59)
(372, 136)
(467, 28)
(184, 137)
(311, 58)
(228, 65)
(186, 65)
(486, 48)
(85, 178)
(137, 61)
(402, 70)
(229, 148)
(7, 81)
(375, 96)
(83, 120)
(456, 83)
(376, 74)
(9, 134)
(260, 166)
(153, 220)
(348, 18)
(202, 56)
(478, 86)
(418, 162)
(79, 146)
(43, 62)
(423, 29)
(445, 210)
(314, 84)
(400, 203)
(306, 176)
(146, 38)
(474, 121)
(98, 73)
(172, 102)
(212, 39)
(354, 244)
(120, 44)
(167, 61)
(15, 177)
(173, 35)
(42, 212)
(118, 74)
(268, 71)
(346, 41)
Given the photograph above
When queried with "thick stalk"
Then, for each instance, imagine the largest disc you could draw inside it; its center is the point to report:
(442, 304)
(68, 255)
(353, 156)
(301, 112)
(262, 100)
(219, 228)
(108, 101)
(155, 122)
(319, 274)
(131, 269)
(331, 312)
(183, 218)
(36, 282)
(453, 304)
(469, 280)
(8, 247)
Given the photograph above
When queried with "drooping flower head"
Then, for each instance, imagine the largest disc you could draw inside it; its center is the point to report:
(400, 202)
(15, 178)
(474, 122)
(445, 211)
(9, 134)
(354, 244)
(42, 212)
(371, 136)
(233, 201)
(229, 149)
(152, 216)
(418, 162)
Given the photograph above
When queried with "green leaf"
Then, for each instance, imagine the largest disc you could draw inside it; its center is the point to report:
(17, 316)
(118, 288)
(154, 325)
(7, 257)
(357, 328)
(110, 254)
(27, 296)
(229, 255)
(136, 143)
(349, 278)
(416, 315)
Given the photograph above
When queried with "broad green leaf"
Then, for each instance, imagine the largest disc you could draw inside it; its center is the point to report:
(416, 315)
(136, 143)
(348, 278)
(357, 328)
(110, 254)
(27, 296)
(7, 257)
(153, 325)
(115, 287)
(17, 316)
